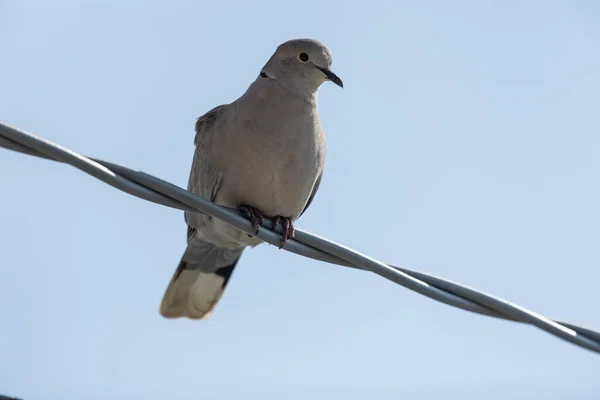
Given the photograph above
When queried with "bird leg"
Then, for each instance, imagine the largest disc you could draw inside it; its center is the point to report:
(287, 228)
(254, 215)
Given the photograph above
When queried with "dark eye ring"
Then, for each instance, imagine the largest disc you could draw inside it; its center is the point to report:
(303, 57)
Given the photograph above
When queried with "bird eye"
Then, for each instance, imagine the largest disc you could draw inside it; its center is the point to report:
(303, 57)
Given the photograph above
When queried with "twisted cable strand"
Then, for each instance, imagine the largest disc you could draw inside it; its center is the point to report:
(153, 189)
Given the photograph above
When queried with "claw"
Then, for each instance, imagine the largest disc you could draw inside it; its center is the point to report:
(254, 215)
(287, 229)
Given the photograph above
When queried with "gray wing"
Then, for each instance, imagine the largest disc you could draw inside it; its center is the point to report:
(313, 193)
(204, 179)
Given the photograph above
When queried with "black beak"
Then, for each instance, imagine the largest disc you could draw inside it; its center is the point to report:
(332, 77)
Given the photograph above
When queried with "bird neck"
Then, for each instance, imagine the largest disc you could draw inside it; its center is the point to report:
(266, 86)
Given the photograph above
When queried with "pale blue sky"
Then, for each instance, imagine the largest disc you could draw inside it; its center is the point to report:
(468, 134)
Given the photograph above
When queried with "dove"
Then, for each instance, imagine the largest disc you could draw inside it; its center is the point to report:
(263, 154)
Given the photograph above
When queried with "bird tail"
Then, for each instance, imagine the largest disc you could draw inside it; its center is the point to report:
(199, 281)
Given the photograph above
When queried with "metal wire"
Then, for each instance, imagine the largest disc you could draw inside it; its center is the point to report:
(153, 189)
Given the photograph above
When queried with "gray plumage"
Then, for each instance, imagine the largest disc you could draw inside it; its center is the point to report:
(266, 150)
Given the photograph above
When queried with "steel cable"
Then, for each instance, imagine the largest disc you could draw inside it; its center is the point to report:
(153, 189)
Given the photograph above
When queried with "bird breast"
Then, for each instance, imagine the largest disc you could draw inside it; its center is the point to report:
(278, 159)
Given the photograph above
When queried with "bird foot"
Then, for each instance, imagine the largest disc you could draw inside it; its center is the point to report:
(254, 215)
(287, 227)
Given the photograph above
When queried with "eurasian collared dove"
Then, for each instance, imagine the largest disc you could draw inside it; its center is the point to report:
(263, 154)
